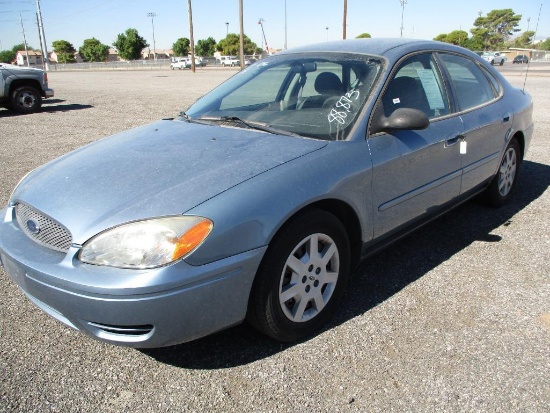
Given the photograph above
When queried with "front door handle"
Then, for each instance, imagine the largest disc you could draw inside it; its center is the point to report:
(452, 141)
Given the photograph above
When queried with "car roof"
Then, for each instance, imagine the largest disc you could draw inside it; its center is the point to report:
(391, 48)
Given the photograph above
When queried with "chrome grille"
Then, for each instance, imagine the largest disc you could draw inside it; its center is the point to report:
(42, 228)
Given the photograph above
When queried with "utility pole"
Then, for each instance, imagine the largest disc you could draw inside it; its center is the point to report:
(152, 16)
(24, 38)
(44, 45)
(241, 37)
(191, 39)
(403, 2)
(345, 19)
(285, 28)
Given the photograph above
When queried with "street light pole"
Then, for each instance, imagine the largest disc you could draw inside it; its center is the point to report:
(152, 16)
(226, 29)
(327, 33)
(403, 2)
(285, 28)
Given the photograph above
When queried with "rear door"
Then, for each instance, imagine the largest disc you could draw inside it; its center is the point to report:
(415, 172)
(487, 120)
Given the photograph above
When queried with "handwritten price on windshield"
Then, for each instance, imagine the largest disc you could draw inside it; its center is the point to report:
(343, 107)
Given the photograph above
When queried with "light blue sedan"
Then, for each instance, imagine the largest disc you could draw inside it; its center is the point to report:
(259, 201)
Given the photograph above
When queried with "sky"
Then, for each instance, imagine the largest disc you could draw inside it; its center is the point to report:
(307, 21)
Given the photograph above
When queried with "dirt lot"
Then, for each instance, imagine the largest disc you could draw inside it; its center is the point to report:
(454, 318)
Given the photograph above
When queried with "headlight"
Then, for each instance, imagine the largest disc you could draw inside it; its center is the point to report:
(146, 244)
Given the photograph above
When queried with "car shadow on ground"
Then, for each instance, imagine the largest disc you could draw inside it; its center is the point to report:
(51, 106)
(375, 280)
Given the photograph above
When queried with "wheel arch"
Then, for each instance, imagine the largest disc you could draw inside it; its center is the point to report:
(35, 84)
(346, 215)
(520, 137)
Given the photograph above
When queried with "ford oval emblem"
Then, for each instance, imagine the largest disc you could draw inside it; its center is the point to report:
(33, 226)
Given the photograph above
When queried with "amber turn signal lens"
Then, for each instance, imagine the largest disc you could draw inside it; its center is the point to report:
(192, 238)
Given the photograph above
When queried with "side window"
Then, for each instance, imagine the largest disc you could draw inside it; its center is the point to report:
(417, 84)
(471, 87)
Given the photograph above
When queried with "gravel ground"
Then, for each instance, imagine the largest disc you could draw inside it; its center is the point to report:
(454, 318)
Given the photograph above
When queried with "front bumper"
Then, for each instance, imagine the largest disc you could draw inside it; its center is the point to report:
(137, 308)
(48, 93)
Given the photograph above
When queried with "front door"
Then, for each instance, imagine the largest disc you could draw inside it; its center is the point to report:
(415, 171)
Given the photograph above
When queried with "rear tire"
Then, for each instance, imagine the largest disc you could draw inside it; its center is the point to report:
(504, 184)
(25, 99)
(301, 278)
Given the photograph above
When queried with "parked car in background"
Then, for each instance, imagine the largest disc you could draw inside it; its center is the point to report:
(521, 59)
(259, 201)
(185, 63)
(22, 88)
(494, 58)
(229, 61)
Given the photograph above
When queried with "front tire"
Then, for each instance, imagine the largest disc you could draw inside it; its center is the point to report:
(25, 99)
(301, 278)
(502, 62)
(504, 184)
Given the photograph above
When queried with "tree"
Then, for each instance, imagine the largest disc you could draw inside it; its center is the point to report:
(92, 50)
(545, 45)
(441, 37)
(525, 40)
(130, 44)
(364, 36)
(206, 47)
(496, 28)
(181, 47)
(230, 45)
(457, 37)
(7, 56)
(65, 51)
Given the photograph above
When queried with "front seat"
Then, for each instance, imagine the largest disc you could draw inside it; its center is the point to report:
(327, 84)
(405, 92)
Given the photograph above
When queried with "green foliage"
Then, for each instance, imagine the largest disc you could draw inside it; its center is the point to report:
(457, 37)
(206, 47)
(7, 56)
(496, 28)
(230, 45)
(92, 50)
(181, 47)
(130, 44)
(525, 40)
(65, 51)
(364, 36)
(544, 45)
(20, 46)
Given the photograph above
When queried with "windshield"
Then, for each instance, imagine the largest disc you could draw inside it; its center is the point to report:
(317, 96)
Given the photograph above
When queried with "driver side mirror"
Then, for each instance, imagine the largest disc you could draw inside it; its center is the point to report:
(400, 119)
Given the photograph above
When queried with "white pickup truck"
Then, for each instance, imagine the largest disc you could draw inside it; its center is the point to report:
(185, 63)
(494, 58)
(229, 61)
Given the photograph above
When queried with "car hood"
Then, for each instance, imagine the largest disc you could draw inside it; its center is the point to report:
(164, 168)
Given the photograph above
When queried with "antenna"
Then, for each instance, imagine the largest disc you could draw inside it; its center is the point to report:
(534, 37)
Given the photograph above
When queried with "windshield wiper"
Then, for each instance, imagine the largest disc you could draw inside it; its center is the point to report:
(251, 125)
